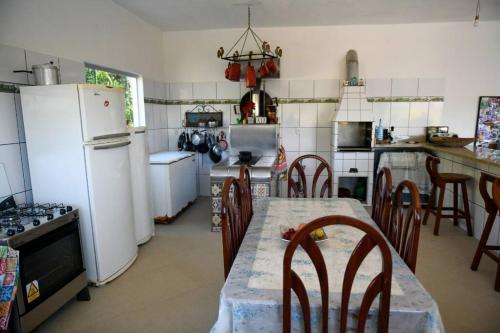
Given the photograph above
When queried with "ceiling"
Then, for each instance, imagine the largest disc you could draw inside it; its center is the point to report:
(170, 15)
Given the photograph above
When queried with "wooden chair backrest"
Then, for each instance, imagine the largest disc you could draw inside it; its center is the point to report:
(404, 226)
(490, 204)
(381, 284)
(246, 195)
(496, 192)
(431, 164)
(231, 220)
(381, 201)
(299, 188)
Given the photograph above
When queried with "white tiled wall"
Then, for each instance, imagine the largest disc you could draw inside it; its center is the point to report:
(13, 152)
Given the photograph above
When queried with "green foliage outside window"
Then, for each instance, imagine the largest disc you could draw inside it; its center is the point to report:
(96, 76)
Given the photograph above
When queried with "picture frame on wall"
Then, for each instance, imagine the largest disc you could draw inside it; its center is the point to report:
(488, 122)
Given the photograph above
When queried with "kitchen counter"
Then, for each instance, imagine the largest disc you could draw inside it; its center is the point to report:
(484, 155)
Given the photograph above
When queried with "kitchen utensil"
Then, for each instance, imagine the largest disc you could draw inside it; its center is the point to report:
(212, 123)
(235, 71)
(181, 140)
(226, 71)
(188, 145)
(245, 156)
(196, 138)
(215, 152)
(250, 79)
(46, 74)
(271, 66)
(222, 141)
(263, 71)
(204, 146)
(202, 124)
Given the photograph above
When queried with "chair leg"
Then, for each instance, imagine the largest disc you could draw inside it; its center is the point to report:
(497, 280)
(455, 204)
(430, 204)
(482, 242)
(442, 191)
(465, 198)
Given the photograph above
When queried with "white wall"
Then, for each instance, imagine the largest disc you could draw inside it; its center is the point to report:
(97, 31)
(467, 57)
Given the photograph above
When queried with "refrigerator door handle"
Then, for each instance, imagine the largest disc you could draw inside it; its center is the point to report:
(112, 146)
(111, 136)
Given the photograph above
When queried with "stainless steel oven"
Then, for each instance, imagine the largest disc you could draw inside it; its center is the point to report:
(50, 267)
(354, 135)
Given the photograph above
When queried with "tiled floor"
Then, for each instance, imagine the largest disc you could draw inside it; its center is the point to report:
(174, 284)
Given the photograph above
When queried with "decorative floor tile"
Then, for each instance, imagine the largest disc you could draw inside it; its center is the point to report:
(216, 205)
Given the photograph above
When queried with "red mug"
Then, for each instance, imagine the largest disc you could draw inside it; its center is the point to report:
(271, 66)
(226, 72)
(263, 72)
(250, 78)
(235, 71)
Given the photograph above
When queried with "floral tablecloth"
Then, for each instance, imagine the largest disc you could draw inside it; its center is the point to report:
(251, 298)
(9, 277)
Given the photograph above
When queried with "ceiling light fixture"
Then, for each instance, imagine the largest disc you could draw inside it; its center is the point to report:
(476, 19)
(262, 52)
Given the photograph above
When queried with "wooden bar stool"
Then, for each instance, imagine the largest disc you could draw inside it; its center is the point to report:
(439, 180)
(492, 205)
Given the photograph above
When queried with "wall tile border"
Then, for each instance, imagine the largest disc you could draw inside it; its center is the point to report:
(292, 100)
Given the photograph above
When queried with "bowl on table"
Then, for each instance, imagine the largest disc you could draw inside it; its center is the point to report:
(287, 233)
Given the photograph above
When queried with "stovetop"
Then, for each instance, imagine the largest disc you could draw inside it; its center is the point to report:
(22, 218)
(252, 162)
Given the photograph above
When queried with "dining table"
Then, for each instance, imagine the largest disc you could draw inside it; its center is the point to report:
(251, 298)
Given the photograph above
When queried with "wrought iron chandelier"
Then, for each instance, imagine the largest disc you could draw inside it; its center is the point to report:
(262, 52)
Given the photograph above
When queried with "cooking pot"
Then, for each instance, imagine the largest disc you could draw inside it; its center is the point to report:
(45, 74)
(181, 140)
(245, 156)
(215, 152)
(204, 145)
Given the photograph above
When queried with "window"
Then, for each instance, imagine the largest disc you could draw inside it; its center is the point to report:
(129, 82)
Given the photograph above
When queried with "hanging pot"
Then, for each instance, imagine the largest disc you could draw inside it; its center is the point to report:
(181, 140)
(263, 71)
(196, 138)
(222, 141)
(235, 71)
(204, 146)
(215, 152)
(250, 79)
(226, 72)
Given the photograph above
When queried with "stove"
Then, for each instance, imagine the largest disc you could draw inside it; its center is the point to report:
(18, 222)
(51, 270)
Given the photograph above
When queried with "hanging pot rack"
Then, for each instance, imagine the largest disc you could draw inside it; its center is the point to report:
(263, 51)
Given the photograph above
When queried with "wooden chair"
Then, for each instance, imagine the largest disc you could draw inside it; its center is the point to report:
(381, 201)
(492, 206)
(404, 226)
(381, 284)
(439, 180)
(231, 220)
(246, 195)
(298, 188)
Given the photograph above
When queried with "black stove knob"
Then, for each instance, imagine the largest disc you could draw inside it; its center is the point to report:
(20, 228)
(50, 217)
(69, 208)
(36, 222)
(62, 211)
(11, 232)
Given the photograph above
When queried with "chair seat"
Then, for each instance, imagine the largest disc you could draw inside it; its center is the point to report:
(454, 177)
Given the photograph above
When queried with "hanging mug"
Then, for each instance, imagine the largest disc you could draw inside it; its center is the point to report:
(263, 72)
(235, 71)
(250, 78)
(271, 66)
(226, 72)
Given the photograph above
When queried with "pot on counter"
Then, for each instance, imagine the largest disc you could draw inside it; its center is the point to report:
(245, 156)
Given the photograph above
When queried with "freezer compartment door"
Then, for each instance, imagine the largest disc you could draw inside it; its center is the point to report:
(108, 172)
(102, 111)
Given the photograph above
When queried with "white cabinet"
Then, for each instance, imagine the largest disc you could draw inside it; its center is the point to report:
(173, 182)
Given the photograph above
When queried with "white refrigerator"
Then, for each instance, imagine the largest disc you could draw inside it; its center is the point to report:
(141, 191)
(78, 153)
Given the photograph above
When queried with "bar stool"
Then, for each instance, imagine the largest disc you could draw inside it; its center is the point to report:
(439, 180)
(492, 205)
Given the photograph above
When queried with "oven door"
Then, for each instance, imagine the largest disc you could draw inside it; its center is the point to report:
(47, 264)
